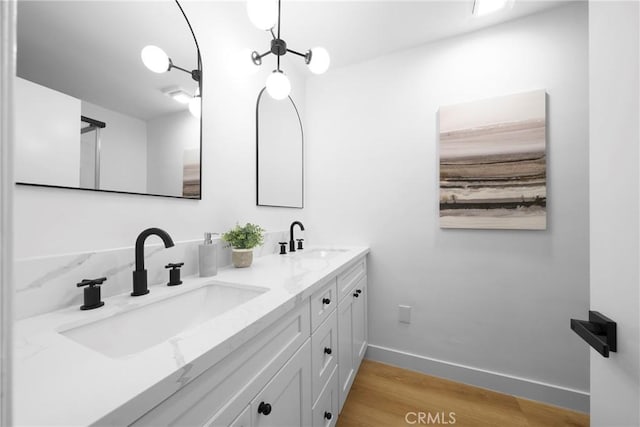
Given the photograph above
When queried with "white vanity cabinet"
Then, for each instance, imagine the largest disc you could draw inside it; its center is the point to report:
(352, 326)
(286, 400)
(291, 374)
(222, 393)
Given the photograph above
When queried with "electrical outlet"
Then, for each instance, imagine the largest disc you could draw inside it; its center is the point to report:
(404, 313)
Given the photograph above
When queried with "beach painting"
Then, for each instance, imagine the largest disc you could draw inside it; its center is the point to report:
(493, 163)
(191, 173)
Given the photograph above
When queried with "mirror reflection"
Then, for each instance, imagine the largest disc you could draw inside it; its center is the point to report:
(280, 149)
(94, 111)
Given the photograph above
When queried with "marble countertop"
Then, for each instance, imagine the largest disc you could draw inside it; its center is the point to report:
(60, 382)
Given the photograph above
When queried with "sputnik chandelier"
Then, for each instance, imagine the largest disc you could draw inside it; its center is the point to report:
(265, 14)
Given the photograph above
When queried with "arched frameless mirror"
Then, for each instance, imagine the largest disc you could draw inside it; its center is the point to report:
(279, 153)
(90, 115)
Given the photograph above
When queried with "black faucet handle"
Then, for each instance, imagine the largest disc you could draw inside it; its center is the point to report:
(300, 243)
(283, 248)
(173, 266)
(91, 282)
(174, 273)
(92, 298)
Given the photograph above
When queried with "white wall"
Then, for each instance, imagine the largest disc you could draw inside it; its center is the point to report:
(614, 120)
(169, 136)
(496, 301)
(47, 135)
(50, 221)
(123, 153)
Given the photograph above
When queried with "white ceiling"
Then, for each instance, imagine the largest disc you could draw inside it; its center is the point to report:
(354, 31)
(91, 49)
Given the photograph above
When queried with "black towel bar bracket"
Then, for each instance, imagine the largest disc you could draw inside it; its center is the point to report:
(599, 332)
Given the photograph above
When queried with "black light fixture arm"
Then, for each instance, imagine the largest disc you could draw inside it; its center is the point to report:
(296, 53)
(279, 14)
(306, 56)
(278, 45)
(195, 74)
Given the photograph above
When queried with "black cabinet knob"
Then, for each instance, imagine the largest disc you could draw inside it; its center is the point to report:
(355, 294)
(326, 301)
(328, 415)
(264, 408)
(358, 291)
(327, 350)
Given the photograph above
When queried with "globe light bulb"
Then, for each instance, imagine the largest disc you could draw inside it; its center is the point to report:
(155, 59)
(278, 85)
(263, 13)
(320, 60)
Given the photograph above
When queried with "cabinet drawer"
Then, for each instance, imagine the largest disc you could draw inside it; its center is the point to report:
(324, 353)
(286, 400)
(325, 411)
(218, 395)
(323, 302)
(244, 419)
(350, 277)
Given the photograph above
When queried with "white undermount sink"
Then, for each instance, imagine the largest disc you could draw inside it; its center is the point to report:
(143, 327)
(321, 253)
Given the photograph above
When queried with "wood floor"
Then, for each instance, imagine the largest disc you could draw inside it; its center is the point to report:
(384, 395)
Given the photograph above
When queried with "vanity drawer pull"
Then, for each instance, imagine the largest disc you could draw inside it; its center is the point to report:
(355, 294)
(328, 415)
(264, 408)
(327, 350)
(326, 301)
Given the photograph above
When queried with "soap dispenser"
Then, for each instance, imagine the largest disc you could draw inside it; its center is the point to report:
(208, 257)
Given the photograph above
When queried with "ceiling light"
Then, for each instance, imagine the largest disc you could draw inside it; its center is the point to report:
(318, 60)
(178, 94)
(485, 7)
(158, 61)
(155, 59)
(278, 85)
(261, 13)
(182, 98)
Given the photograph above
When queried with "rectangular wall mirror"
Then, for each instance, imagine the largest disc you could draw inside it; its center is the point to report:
(90, 115)
(279, 152)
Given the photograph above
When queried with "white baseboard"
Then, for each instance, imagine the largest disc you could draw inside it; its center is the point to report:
(529, 389)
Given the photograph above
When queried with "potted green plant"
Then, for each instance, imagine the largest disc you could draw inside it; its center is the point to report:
(243, 239)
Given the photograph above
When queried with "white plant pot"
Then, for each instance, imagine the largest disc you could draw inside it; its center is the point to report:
(241, 258)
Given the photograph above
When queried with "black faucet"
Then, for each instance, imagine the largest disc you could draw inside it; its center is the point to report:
(140, 274)
(292, 243)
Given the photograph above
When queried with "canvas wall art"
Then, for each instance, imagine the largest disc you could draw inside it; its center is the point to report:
(493, 163)
(191, 174)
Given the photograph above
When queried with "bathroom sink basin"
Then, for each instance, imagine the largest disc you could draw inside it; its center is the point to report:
(143, 327)
(321, 253)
